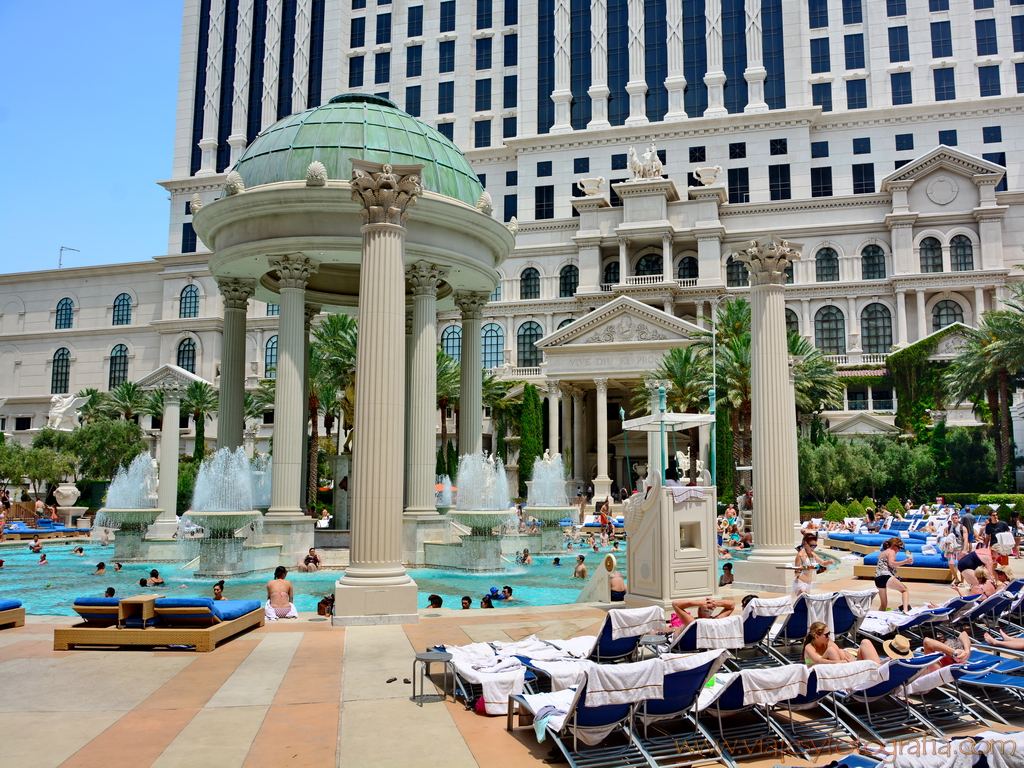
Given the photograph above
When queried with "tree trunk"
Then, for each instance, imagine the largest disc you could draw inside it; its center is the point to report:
(313, 481)
(458, 451)
(737, 444)
(200, 449)
(442, 405)
(694, 452)
(748, 475)
(1005, 477)
(992, 395)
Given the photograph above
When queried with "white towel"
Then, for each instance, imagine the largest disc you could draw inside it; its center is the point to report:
(564, 674)
(687, 492)
(819, 608)
(773, 606)
(271, 613)
(1004, 750)
(624, 683)
(530, 647)
(859, 600)
(853, 674)
(560, 700)
(931, 680)
(720, 633)
(680, 662)
(497, 686)
(768, 686)
(1004, 543)
(576, 647)
(498, 664)
(631, 622)
(709, 694)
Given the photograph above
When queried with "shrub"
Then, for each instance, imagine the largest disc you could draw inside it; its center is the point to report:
(960, 498)
(895, 506)
(982, 510)
(1001, 498)
(868, 502)
(856, 509)
(836, 512)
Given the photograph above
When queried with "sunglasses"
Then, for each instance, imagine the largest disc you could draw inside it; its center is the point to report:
(824, 634)
(813, 546)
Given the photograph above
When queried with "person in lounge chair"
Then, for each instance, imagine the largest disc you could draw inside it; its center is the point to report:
(820, 649)
(280, 597)
(706, 607)
(1006, 641)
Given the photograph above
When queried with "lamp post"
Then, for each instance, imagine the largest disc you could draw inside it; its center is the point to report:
(714, 438)
(625, 442)
(661, 406)
(713, 393)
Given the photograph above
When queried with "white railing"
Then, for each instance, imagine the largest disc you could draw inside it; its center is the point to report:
(874, 358)
(689, 282)
(837, 359)
(518, 373)
(607, 287)
(644, 279)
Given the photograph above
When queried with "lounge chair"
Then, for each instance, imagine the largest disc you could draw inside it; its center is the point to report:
(12, 613)
(469, 682)
(987, 615)
(812, 735)
(97, 611)
(636, 622)
(190, 621)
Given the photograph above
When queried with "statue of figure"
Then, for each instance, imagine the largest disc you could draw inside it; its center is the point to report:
(547, 455)
(151, 477)
(652, 163)
(64, 408)
(683, 462)
(635, 164)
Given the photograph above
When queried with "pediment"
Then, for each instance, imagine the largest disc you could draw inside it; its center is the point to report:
(622, 321)
(863, 424)
(943, 158)
(168, 374)
(951, 340)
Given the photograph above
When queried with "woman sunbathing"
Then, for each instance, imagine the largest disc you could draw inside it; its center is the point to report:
(280, 597)
(820, 649)
(1012, 643)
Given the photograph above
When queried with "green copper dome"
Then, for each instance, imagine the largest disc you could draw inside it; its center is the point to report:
(363, 126)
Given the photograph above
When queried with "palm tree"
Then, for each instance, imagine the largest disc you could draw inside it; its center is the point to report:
(126, 400)
(200, 402)
(448, 378)
(153, 404)
(335, 343)
(95, 409)
(817, 387)
(504, 410)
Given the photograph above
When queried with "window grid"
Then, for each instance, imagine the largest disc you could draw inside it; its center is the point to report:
(482, 133)
(904, 142)
(945, 313)
(736, 274)
(819, 149)
(581, 165)
(853, 47)
(856, 94)
(188, 305)
(529, 355)
(961, 253)
(118, 366)
(821, 96)
(817, 12)
(689, 269)
(820, 57)
(413, 100)
(415, 21)
(985, 37)
(510, 208)
(902, 88)
(123, 309)
(876, 327)
(484, 14)
(448, 15)
(270, 358)
(356, 69)
(773, 54)
(792, 322)
(1017, 27)
(992, 134)
(931, 255)
(511, 93)
(60, 376)
(942, 39)
(451, 342)
(544, 202)
(357, 32)
(988, 81)
(739, 185)
(493, 343)
(896, 8)
(187, 355)
(778, 147)
(483, 95)
(779, 182)
(862, 146)
(484, 46)
(864, 179)
(447, 130)
(381, 67)
(821, 182)
(446, 56)
(999, 158)
(273, 310)
(649, 264)
(826, 266)
(445, 98)
(568, 281)
(611, 272)
(496, 293)
(414, 61)
(65, 314)
(511, 50)
(830, 331)
(383, 28)
(511, 12)
(853, 12)
(948, 138)
(698, 154)
(899, 44)
(872, 263)
(529, 284)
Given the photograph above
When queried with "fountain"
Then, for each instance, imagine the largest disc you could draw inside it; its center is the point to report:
(547, 501)
(444, 496)
(221, 505)
(483, 503)
(262, 470)
(131, 507)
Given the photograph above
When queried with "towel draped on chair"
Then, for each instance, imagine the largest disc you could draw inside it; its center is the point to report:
(578, 647)
(630, 622)
(563, 674)
(624, 683)
(859, 600)
(496, 685)
(768, 606)
(768, 686)
(724, 633)
(852, 674)
(819, 608)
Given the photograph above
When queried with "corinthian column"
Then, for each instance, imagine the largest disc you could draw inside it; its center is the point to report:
(603, 483)
(375, 587)
(422, 419)
(579, 463)
(231, 410)
(562, 93)
(289, 406)
(471, 406)
(553, 393)
(773, 431)
(165, 526)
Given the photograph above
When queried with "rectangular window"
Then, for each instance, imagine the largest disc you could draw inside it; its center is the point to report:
(22, 423)
(773, 52)
(483, 53)
(415, 21)
(899, 164)
(992, 134)
(357, 32)
(899, 44)
(575, 191)
(482, 177)
(902, 90)
(1017, 25)
(778, 147)
(938, 5)
(615, 200)
(904, 142)
(820, 55)
(945, 85)
(446, 56)
(734, 57)
(482, 133)
(511, 208)
(988, 81)
(896, 8)
(445, 98)
(383, 28)
(698, 155)
(778, 182)
(999, 158)
(544, 168)
(381, 67)
(864, 179)
(355, 71)
(509, 127)
(1019, 74)
(981, 4)
(856, 94)
(738, 150)
(383, 2)
(821, 96)
(447, 130)
(853, 45)
(511, 178)
(948, 138)
(414, 61)
(819, 149)
(188, 238)
(853, 12)
(821, 182)
(483, 14)
(739, 185)
(511, 13)
(817, 13)
(357, 4)
(511, 50)
(862, 146)
(581, 165)
(483, 95)
(985, 33)
(412, 100)
(510, 95)
(544, 202)
(942, 39)
(621, 162)
(448, 15)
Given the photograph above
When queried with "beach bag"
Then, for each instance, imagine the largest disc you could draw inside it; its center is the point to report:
(326, 606)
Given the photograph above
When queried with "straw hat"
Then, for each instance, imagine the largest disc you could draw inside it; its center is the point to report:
(897, 648)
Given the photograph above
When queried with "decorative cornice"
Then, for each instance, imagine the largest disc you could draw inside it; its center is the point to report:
(797, 206)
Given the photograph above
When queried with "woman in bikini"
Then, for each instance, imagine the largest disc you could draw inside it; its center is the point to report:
(807, 564)
(819, 648)
(218, 590)
(280, 596)
(985, 586)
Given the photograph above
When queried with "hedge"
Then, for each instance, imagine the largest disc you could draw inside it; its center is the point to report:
(983, 498)
(855, 509)
(836, 512)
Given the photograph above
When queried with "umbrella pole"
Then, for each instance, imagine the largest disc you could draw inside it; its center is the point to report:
(661, 406)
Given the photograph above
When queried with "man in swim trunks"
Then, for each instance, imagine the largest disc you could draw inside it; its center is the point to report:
(618, 587)
(581, 569)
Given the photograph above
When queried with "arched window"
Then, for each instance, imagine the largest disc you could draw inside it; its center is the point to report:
(118, 366)
(529, 284)
(872, 263)
(688, 268)
(187, 355)
(493, 345)
(649, 264)
(946, 312)
(123, 310)
(931, 255)
(451, 341)
(61, 374)
(270, 358)
(876, 326)
(65, 314)
(611, 272)
(189, 304)
(568, 321)
(830, 331)
(496, 293)
(568, 281)
(528, 353)
(736, 275)
(792, 322)
(826, 266)
(961, 253)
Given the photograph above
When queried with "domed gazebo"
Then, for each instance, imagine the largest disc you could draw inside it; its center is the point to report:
(316, 215)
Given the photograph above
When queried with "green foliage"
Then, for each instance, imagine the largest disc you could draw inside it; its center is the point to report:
(1001, 498)
(836, 512)
(971, 462)
(1004, 512)
(453, 462)
(187, 473)
(724, 466)
(200, 401)
(59, 440)
(895, 506)
(940, 455)
(827, 471)
(12, 464)
(45, 467)
(982, 510)
(440, 464)
(531, 444)
(917, 382)
(855, 509)
(104, 445)
(868, 503)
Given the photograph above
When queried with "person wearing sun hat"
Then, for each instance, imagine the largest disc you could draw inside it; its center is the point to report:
(956, 650)
(898, 648)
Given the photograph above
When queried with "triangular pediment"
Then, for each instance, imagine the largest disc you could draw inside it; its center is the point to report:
(863, 424)
(942, 158)
(166, 374)
(947, 341)
(625, 321)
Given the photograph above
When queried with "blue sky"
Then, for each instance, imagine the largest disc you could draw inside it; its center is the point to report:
(87, 111)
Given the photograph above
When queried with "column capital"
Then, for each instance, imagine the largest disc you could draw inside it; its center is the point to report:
(624, 242)
(236, 291)
(601, 384)
(553, 389)
(385, 191)
(173, 391)
(653, 385)
(294, 270)
(471, 304)
(424, 277)
(767, 259)
(578, 394)
(311, 311)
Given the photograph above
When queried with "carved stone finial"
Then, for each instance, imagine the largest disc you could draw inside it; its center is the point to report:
(234, 184)
(591, 186)
(236, 291)
(294, 270)
(708, 176)
(424, 277)
(386, 191)
(485, 204)
(513, 225)
(316, 174)
(196, 203)
(767, 259)
(471, 304)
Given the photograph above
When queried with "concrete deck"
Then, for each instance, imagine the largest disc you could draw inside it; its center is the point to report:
(291, 695)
